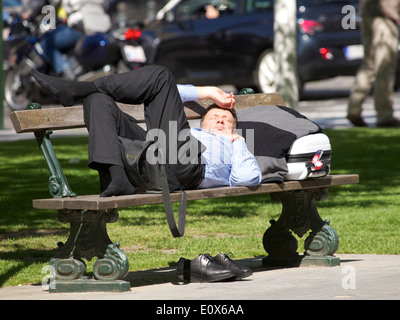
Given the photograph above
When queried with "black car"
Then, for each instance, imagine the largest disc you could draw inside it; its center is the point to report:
(235, 46)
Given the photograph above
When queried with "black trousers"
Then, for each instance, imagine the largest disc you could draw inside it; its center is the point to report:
(155, 87)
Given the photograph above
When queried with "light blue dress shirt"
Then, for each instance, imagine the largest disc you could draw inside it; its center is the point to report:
(187, 92)
(226, 163)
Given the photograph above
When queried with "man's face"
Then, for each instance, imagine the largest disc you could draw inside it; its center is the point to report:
(219, 120)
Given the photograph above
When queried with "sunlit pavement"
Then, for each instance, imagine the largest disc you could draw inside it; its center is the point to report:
(359, 277)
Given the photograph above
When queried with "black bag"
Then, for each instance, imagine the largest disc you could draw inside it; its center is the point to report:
(153, 176)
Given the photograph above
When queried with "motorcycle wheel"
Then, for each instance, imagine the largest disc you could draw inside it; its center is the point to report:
(19, 88)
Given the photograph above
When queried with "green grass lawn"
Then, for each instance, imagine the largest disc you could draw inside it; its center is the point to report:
(366, 216)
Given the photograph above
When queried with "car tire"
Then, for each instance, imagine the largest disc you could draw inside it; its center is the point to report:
(264, 73)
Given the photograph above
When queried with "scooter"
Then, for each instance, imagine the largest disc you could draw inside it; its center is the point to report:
(93, 56)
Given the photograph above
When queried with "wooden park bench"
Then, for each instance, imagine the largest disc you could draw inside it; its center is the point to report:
(88, 215)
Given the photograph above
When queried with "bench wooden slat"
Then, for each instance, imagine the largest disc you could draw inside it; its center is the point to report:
(94, 202)
(72, 117)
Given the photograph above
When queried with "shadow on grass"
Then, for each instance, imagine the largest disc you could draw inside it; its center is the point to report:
(21, 259)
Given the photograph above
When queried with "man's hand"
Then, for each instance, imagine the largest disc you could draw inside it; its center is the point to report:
(220, 98)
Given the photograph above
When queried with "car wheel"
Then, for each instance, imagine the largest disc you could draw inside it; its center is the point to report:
(264, 73)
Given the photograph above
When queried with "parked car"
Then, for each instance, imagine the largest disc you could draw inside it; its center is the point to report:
(237, 46)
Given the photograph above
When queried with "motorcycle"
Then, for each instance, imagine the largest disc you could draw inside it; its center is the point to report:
(92, 57)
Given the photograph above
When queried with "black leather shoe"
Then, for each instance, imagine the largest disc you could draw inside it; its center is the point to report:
(202, 269)
(240, 271)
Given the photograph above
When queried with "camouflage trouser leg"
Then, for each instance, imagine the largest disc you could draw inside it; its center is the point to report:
(380, 41)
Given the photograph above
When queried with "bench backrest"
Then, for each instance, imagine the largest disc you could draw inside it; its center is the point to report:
(72, 117)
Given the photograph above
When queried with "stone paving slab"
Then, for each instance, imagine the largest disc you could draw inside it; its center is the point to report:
(359, 277)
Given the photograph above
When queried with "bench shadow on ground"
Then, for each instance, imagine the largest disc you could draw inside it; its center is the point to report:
(168, 274)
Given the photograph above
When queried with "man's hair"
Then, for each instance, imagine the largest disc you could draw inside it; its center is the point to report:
(214, 106)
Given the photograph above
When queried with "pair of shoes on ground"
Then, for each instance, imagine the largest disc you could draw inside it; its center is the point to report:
(210, 269)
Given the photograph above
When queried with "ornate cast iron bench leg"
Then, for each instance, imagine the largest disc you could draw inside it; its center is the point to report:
(88, 239)
(300, 214)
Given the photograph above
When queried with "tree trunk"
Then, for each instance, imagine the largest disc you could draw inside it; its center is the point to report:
(285, 51)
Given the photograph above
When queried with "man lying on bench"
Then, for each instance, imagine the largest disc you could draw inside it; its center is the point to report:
(225, 160)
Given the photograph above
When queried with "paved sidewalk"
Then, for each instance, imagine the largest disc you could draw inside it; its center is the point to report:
(359, 277)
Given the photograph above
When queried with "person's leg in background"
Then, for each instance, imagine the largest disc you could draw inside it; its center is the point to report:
(386, 43)
(365, 75)
(57, 42)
